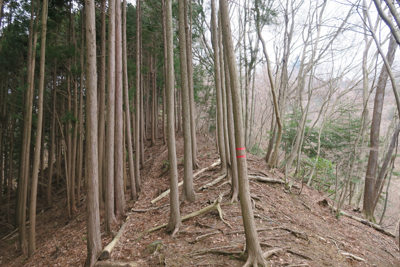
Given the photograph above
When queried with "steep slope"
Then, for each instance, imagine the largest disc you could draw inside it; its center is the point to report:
(307, 233)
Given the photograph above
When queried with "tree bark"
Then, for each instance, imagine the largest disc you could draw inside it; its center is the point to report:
(231, 129)
(217, 83)
(39, 128)
(137, 105)
(26, 138)
(188, 190)
(368, 207)
(188, 33)
(128, 135)
(253, 249)
(102, 104)
(119, 144)
(110, 145)
(92, 206)
(175, 217)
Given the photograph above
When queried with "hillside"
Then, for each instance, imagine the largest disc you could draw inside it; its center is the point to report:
(307, 232)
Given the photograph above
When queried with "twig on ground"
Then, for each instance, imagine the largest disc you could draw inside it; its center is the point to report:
(146, 210)
(203, 237)
(363, 221)
(115, 264)
(214, 182)
(215, 206)
(348, 255)
(181, 183)
(270, 180)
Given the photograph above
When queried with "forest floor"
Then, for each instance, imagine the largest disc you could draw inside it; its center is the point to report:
(308, 232)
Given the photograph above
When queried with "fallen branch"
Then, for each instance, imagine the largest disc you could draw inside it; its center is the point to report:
(115, 264)
(181, 183)
(105, 254)
(216, 251)
(363, 221)
(203, 236)
(348, 255)
(214, 182)
(146, 210)
(215, 206)
(269, 180)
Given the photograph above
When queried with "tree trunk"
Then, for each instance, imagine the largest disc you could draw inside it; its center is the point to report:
(119, 144)
(217, 83)
(188, 33)
(188, 191)
(128, 135)
(80, 114)
(153, 99)
(102, 105)
(230, 125)
(175, 218)
(368, 207)
(110, 145)
(253, 249)
(26, 138)
(137, 105)
(39, 128)
(92, 199)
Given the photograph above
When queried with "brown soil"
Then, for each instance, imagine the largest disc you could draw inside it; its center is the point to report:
(308, 232)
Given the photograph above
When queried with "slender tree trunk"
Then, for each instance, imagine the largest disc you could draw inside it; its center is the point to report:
(153, 99)
(230, 124)
(368, 207)
(10, 169)
(217, 82)
(119, 144)
(26, 139)
(92, 199)
(110, 145)
(80, 114)
(188, 34)
(52, 137)
(165, 70)
(274, 159)
(102, 105)
(175, 217)
(128, 135)
(39, 128)
(188, 191)
(253, 249)
(137, 105)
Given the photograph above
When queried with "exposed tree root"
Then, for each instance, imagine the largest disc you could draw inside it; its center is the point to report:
(299, 254)
(302, 235)
(214, 182)
(366, 222)
(115, 264)
(271, 252)
(215, 206)
(348, 255)
(105, 254)
(255, 261)
(181, 183)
